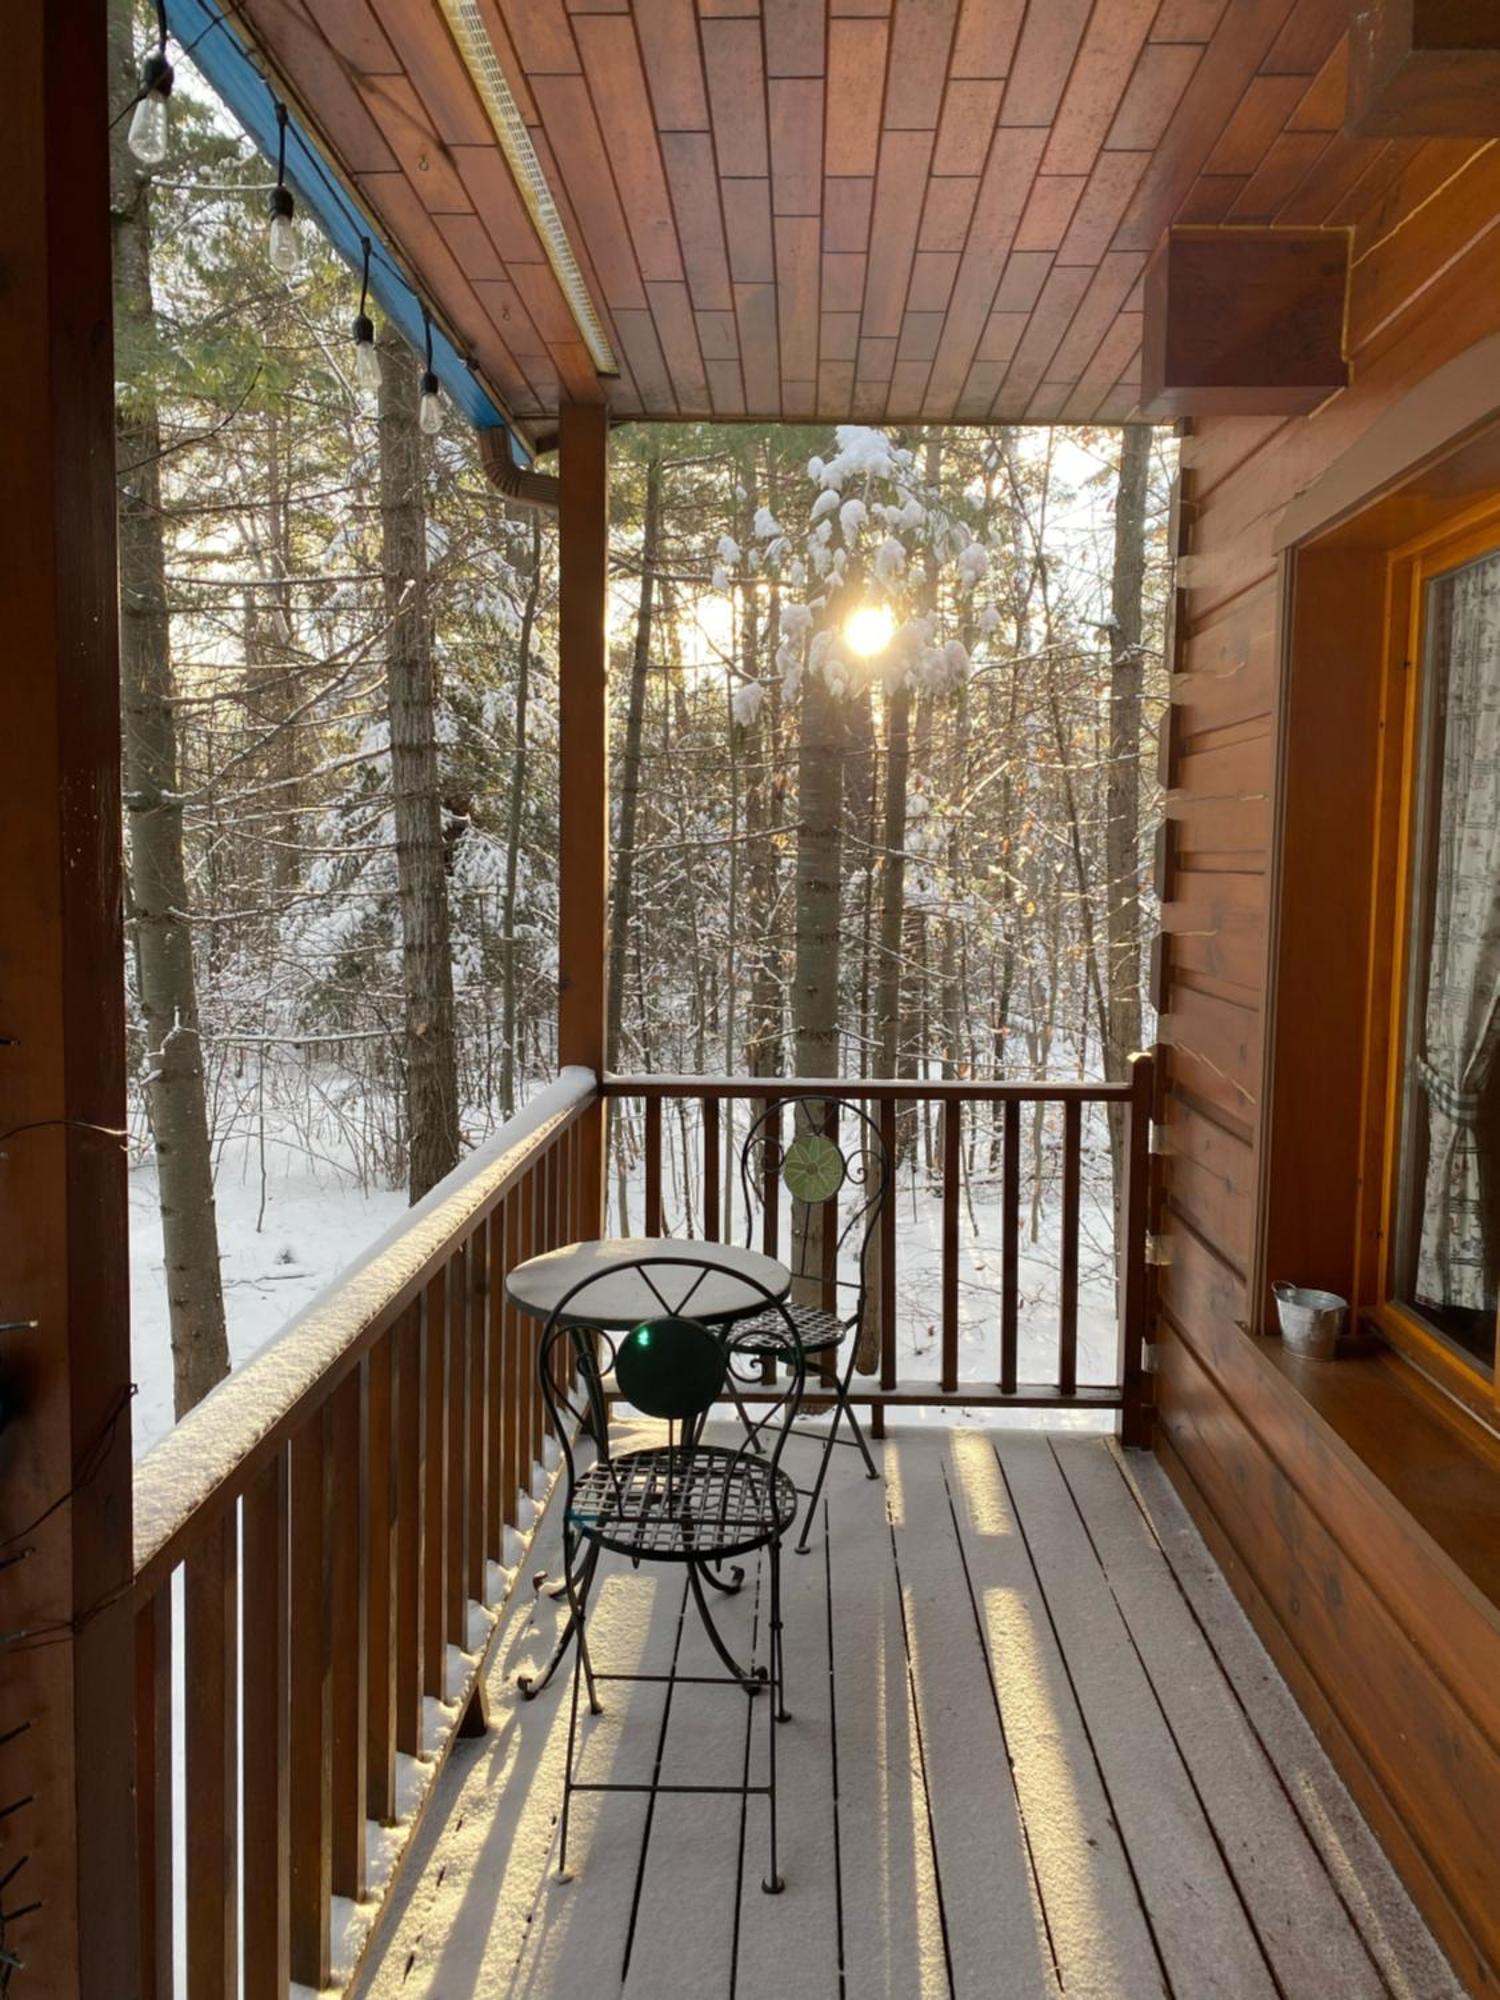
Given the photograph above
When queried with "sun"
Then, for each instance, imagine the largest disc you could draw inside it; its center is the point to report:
(869, 630)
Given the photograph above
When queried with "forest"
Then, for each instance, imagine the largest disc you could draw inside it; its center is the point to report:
(884, 709)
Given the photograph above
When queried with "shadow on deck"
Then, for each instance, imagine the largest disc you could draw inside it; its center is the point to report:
(1035, 1749)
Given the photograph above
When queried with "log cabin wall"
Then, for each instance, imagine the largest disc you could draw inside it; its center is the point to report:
(1392, 1644)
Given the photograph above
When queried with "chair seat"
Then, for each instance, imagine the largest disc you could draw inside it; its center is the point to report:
(816, 1328)
(683, 1503)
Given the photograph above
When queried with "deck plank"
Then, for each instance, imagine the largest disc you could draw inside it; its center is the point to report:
(1099, 1932)
(1207, 1943)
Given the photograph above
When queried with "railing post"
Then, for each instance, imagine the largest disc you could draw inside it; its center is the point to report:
(1135, 1419)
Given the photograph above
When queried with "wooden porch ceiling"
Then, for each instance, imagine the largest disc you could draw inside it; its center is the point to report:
(877, 210)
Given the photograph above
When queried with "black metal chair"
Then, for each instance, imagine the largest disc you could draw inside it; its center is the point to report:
(838, 1174)
(699, 1505)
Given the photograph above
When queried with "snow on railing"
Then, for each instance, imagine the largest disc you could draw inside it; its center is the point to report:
(182, 1472)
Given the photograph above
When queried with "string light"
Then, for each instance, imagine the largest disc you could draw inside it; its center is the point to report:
(366, 355)
(430, 409)
(147, 137)
(283, 236)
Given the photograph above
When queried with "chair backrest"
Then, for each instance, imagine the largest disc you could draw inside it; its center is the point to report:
(836, 1172)
(673, 1365)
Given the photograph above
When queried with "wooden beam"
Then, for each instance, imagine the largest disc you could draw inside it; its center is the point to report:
(1244, 322)
(1424, 69)
(66, 1709)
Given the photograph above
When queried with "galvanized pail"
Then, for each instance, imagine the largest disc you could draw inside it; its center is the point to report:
(1311, 1321)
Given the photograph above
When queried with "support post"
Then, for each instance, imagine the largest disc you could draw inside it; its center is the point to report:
(1133, 1225)
(66, 1708)
(583, 868)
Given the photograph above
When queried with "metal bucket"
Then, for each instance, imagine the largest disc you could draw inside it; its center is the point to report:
(1311, 1321)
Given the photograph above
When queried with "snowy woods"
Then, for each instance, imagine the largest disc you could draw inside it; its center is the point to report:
(884, 708)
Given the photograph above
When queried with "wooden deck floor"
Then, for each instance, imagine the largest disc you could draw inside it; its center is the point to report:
(1035, 1750)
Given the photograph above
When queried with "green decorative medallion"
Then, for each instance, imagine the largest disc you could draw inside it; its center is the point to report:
(813, 1168)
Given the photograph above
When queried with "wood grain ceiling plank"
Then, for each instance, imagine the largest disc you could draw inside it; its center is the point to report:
(1121, 342)
(920, 332)
(875, 361)
(747, 226)
(1008, 176)
(694, 188)
(674, 65)
(348, 26)
(921, 38)
(794, 37)
(932, 275)
(617, 83)
(1096, 219)
(541, 36)
(1098, 310)
(572, 228)
(843, 282)
(908, 387)
(1021, 281)
(1211, 197)
(946, 213)
(677, 333)
(838, 339)
(724, 10)
(871, 400)
(1187, 20)
(297, 48)
(574, 140)
(972, 404)
(1049, 210)
(718, 336)
(1111, 44)
(1322, 106)
(726, 388)
(1049, 321)
(1308, 37)
(799, 401)
(796, 118)
(1243, 36)
(1046, 405)
(498, 30)
(968, 121)
(1259, 117)
(985, 41)
(505, 306)
(867, 8)
(835, 389)
(544, 303)
(755, 309)
(1001, 337)
(1291, 158)
(737, 96)
(1161, 75)
(856, 86)
(637, 331)
(900, 186)
(797, 285)
(469, 241)
(846, 213)
(408, 129)
(436, 71)
(493, 197)
(1348, 162)
(1044, 57)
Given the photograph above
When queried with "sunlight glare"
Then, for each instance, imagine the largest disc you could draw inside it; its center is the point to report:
(869, 630)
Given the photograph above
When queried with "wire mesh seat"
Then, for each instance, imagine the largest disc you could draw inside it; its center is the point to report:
(838, 1173)
(686, 1502)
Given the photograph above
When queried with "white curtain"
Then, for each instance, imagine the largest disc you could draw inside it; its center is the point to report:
(1462, 1024)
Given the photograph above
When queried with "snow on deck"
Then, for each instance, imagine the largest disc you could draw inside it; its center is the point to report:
(1035, 1749)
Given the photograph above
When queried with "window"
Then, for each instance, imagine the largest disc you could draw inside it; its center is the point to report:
(1445, 1189)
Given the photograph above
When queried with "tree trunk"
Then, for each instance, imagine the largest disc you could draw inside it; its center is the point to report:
(422, 883)
(819, 851)
(157, 876)
(621, 907)
(1123, 782)
(513, 826)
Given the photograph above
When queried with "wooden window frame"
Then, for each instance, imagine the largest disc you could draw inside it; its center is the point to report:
(1410, 569)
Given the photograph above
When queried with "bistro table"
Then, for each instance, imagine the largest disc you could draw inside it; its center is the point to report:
(618, 1298)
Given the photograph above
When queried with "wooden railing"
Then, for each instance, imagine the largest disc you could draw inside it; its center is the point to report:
(321, 1545)
(312, 1544)
(1129, 1101)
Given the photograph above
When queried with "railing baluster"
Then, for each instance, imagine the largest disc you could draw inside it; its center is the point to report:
(434, 1508)
(1135, 1423)
(267, 1713)
(348, 1715)
(1010, 1227)
(380, 1688)
(515, 1435)
(711, 1195)
(495, 1501)
(887, 1228)
(478, 1412)
(952, 1174)
(211, 1729)
(653, 1166)
(1067, 1344)
(770, 1193)
(531, 1240)
(411, 1538)
(311, 1622)
(153, 1790)
(455, 1595)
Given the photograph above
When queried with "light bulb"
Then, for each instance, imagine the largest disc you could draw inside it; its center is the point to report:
(366, 356)
(147, 137)
(430, 410)
(283, 237)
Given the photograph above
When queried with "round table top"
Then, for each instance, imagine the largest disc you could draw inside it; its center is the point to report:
(620, 1298)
